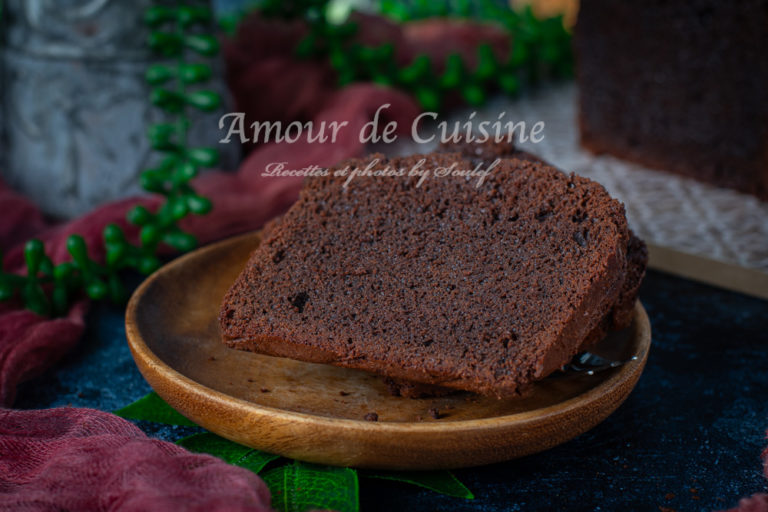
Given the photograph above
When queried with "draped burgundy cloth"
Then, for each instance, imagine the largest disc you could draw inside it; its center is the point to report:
(82, 459)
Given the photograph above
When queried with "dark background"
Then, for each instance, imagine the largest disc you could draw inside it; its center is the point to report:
(688, 438)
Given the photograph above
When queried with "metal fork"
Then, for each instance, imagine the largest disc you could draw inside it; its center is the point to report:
(592, 363)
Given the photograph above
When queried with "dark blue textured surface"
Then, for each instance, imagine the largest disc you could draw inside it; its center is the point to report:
(688, 438)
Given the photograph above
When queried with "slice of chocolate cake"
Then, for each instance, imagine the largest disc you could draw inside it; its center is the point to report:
(481, 286)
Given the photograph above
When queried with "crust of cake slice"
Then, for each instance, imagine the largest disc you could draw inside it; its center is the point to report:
(250, 320)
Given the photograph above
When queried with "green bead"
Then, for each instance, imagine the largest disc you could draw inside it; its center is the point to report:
(519, 54)
(204, 157)
(229, 23)
(510, 84)
(190, 14)
(420, 68)
(34, 251)
(184, 172)
(306, 46)
(79, 251)
(199, 205)
(339, 60)
(486, 62)
(149, 235)
(139, 215)
(454, 72)
(96, 289)
(167, 164)
(46, 266)
(35, 299)
(179, 209)
(194, 73)
(60, 299)
(148, 264)
(7, 291)
(180, 241)
(167, 100)
(158, 73)
(206, 101)
(473, 94)
(116, 289)
(63, 272)
(113, 234)
(165, 43)
(429, 99)
(161, 136)
(115, 253)
(159, 174)
(149, 183)
(383, 80)
(202, 44)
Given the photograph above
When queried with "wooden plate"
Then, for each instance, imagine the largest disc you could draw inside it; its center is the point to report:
(316, 412)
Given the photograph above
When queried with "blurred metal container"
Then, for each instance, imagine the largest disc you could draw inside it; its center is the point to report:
(75, 103)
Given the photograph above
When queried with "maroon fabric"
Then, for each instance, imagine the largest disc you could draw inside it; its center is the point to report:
(757, 503)
(82, 459)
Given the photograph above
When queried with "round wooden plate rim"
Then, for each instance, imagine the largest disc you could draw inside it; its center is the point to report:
(143, 354)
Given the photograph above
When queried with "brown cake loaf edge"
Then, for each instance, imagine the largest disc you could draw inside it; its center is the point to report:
(672, 99)
(618, 318)
(601, 303)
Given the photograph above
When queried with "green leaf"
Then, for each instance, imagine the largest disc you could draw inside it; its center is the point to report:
(443, 482)
(299, 487)
(230, 452)
(214, 445)
(256, 460)
(153, 408)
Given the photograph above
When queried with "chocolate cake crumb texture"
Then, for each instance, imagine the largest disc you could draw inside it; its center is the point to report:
(483, 288)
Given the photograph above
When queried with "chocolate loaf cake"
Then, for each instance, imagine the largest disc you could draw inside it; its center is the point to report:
(481, 287)
(677, 85)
